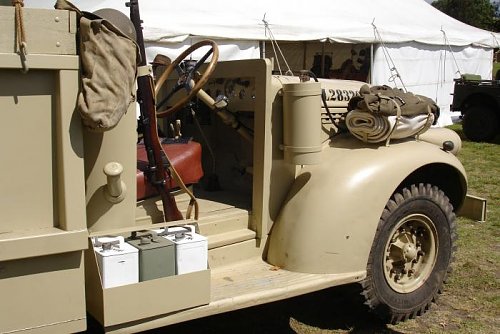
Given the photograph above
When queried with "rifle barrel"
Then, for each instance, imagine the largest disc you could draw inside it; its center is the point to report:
(146, 99)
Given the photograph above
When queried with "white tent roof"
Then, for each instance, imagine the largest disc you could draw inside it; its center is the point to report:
(348, 21)
(338, 20)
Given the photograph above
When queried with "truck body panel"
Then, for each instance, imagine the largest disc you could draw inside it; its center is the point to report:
(315, 232)
(43, 230)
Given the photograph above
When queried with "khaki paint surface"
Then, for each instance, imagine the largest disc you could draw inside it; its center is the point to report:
(43, 226)
(329, 218)
(47, 31)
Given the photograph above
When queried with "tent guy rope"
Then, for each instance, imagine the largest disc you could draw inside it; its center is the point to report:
(447, 43)
(390, 63)
(275, 46)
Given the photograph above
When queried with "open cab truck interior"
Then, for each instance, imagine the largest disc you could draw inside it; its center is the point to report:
(287, 200)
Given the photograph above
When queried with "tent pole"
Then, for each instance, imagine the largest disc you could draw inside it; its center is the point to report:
(371, 63)
(262, 47)
(323, 60)
(304, 58)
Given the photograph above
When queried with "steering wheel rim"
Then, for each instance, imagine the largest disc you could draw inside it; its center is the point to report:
(201, 81)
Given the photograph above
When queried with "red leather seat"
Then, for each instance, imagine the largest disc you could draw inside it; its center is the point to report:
(186, 159)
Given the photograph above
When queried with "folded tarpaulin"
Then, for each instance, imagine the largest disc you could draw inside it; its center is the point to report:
(386, 101)
(374, 128)
(381, 113)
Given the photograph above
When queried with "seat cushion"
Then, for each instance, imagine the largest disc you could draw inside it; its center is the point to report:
(184, 156)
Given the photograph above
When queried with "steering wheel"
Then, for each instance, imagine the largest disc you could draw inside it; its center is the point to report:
(186, 76)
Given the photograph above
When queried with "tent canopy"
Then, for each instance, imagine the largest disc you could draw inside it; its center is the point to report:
(338, 20)
(345, 21)
(429, 48)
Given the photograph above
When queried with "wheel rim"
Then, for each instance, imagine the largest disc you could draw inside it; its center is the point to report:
(410, 253)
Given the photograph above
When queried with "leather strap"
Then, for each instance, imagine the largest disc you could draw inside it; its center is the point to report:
(144, 70)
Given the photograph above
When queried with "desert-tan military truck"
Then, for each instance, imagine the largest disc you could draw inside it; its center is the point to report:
(258, 192)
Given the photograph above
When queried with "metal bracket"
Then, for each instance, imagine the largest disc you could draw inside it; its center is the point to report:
(474, 208)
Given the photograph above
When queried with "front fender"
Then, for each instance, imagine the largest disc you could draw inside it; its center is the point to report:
(329, 218)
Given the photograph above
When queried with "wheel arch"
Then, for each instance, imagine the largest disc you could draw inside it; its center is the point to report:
(447, 178)
(328, 221)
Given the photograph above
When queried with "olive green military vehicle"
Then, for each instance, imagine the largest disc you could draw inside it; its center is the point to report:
(287, 201)
(478, 102)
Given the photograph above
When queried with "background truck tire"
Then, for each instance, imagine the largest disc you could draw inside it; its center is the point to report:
(480, 123)
(411, 253)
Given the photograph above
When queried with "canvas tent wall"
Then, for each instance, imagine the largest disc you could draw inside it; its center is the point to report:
(430, 69)
(327, 60)
(424, 69)
(408, 28)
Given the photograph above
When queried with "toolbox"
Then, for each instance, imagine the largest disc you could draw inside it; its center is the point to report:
(191, 248)
(156, 255)
(118, 261)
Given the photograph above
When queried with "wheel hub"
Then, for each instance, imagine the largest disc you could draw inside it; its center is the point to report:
(410, 253)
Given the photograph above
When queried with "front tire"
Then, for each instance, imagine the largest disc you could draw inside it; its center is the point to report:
(480, 123)
(411, 253)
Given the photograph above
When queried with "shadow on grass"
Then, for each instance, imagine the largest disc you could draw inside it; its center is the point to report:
(334, 310)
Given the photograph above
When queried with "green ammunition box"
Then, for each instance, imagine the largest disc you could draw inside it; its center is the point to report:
(156, 256)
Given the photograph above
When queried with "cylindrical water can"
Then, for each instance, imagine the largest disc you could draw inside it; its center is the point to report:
(302, 123)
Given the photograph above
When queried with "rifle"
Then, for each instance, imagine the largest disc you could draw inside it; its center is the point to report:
(146, 99)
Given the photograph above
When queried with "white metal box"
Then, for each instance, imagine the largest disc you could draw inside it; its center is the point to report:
(191, 248)
(118, 261)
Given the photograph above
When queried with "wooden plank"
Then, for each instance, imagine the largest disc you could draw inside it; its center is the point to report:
(47, 31)
(231, 237)
(39, 242)
(41, 61)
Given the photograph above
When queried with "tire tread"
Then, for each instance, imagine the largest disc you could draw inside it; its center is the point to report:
(372, 300)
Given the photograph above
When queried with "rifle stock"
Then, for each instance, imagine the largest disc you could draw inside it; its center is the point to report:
(146, 99)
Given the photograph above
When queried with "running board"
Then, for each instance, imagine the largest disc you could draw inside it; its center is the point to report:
(245, 284)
